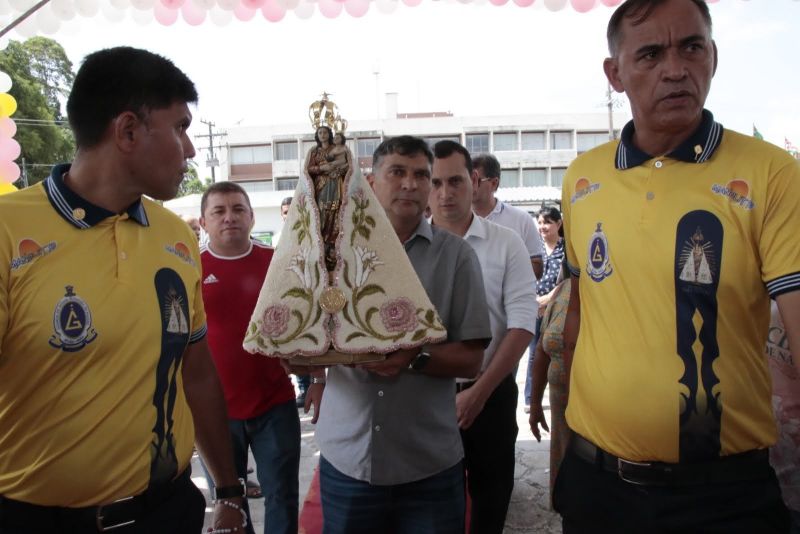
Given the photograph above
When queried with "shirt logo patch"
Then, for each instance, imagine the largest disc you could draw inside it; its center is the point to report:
(737, 191)
(599, 264)
(583, 188)
(30, 251)
(176, 318)
(72, 321)
(182, 251)
(696, 262)
(211, 279)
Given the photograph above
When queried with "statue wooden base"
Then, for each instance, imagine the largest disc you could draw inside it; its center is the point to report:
(333, 357)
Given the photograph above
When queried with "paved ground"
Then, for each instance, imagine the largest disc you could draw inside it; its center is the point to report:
(529, 510)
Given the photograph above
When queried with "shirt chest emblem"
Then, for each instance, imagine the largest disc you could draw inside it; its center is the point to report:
(737, 191)
(599, 264)
(72, 321)
(30, 251)
(211, 279)
(180, 250)
(583, 188)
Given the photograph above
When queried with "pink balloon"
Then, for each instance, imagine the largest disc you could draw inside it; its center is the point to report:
(7, 127)
(253, 4)
(412, 3)
(243, 12)
(582, 6)
(172, 4)
(9, 171)
(164, 15)
(611, 3)
(273, 11)
(9, 149)
(193, 14)
(498, 2)
(523, 3)
(357, 8)
(330, 8)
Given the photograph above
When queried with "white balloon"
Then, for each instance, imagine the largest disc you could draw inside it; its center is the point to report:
(87, 8)
(555, 5)
(111, 13)
(5, 79)
(47, 21)
(204, 4)
(27, 28)
(120, 4)
(20, 6)
(142, 18)
(304, 10)
(219, 16)
(143, 5)
(288, 4)
(228, 5)
(5, 8)
(386, 6)
(63, 9)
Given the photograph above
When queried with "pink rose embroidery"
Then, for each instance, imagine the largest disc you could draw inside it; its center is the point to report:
(275, 320)
(399, 315)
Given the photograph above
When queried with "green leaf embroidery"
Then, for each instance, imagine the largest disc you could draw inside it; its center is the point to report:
(370, 221)
(296, 292)
(354, 335)
(369, 289)
(419, 334)
(309, 337)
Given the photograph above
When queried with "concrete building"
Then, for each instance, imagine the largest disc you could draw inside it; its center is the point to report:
(534, 151)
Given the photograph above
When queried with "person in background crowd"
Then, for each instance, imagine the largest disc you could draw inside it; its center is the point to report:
(194, 224)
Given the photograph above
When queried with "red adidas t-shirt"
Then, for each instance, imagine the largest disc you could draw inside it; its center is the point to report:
(252, 383)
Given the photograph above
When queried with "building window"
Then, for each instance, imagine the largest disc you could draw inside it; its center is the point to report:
(365, 148)
(509, 178)
(308, 145)
(560, 140)
(433, 140)
(286, 151)
(589, 140)
(505, 142)
(248, 155)
(286, 184)
(257, 186)
(557, 176)
(533, 141)
(477, 144)
(534, 177)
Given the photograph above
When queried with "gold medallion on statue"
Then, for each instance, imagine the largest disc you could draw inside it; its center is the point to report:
(332, 300)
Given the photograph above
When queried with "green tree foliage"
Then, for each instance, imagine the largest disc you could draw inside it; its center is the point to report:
(192, 184)
(42, 75)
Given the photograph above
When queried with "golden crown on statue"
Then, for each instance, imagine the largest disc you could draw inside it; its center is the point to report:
(324, 112)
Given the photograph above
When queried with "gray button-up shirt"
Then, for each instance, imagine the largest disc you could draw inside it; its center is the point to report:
(388, 431)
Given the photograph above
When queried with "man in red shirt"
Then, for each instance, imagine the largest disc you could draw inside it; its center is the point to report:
(259, 395)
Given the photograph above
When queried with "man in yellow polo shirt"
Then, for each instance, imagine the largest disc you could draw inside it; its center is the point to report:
(103, 357)
(679, 234)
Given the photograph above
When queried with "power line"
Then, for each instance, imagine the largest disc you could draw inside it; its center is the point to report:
(212, 160)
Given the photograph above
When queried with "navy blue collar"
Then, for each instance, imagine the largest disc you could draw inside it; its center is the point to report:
(78, 211)
(700, 146)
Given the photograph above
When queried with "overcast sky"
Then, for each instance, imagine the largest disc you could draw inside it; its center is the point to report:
(470, 59)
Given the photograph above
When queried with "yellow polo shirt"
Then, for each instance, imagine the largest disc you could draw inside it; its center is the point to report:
(96, 311)
(678, 257)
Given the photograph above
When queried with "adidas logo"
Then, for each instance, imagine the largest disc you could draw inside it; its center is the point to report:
(211, 279)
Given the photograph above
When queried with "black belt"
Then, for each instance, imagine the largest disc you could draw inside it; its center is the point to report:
(750, 465)
(461, 386)
(107, 517)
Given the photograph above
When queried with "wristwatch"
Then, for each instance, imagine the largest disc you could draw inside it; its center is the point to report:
(420, 361)
(229, 492)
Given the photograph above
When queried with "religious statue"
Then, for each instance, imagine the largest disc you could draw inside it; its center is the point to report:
(340, 287)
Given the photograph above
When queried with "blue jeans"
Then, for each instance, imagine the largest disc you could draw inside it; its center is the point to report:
(274, 437)
(531, 355)
(434, 505)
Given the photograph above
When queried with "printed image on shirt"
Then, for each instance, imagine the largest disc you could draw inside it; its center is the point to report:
(698, 251)
(173, 304)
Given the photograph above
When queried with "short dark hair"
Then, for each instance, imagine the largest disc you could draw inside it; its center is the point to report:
(404, 145)
(286, 201)
(639, 11)
(488, 164)
(446, 148)
(330, 135)
(552, 214)
(223, 188)
(116, 80)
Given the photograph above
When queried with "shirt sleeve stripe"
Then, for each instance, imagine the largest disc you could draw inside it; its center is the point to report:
(784, 284)
(198, 334)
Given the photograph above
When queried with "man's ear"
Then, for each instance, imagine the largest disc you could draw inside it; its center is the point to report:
(716, 57)
(125, 129)
(611, 68)
(202, 221)
(371, 180)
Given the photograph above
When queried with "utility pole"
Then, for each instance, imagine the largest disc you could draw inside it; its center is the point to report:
(212, 160)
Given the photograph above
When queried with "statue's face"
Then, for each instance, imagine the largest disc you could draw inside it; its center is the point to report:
(338, 139)
(323, 134)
